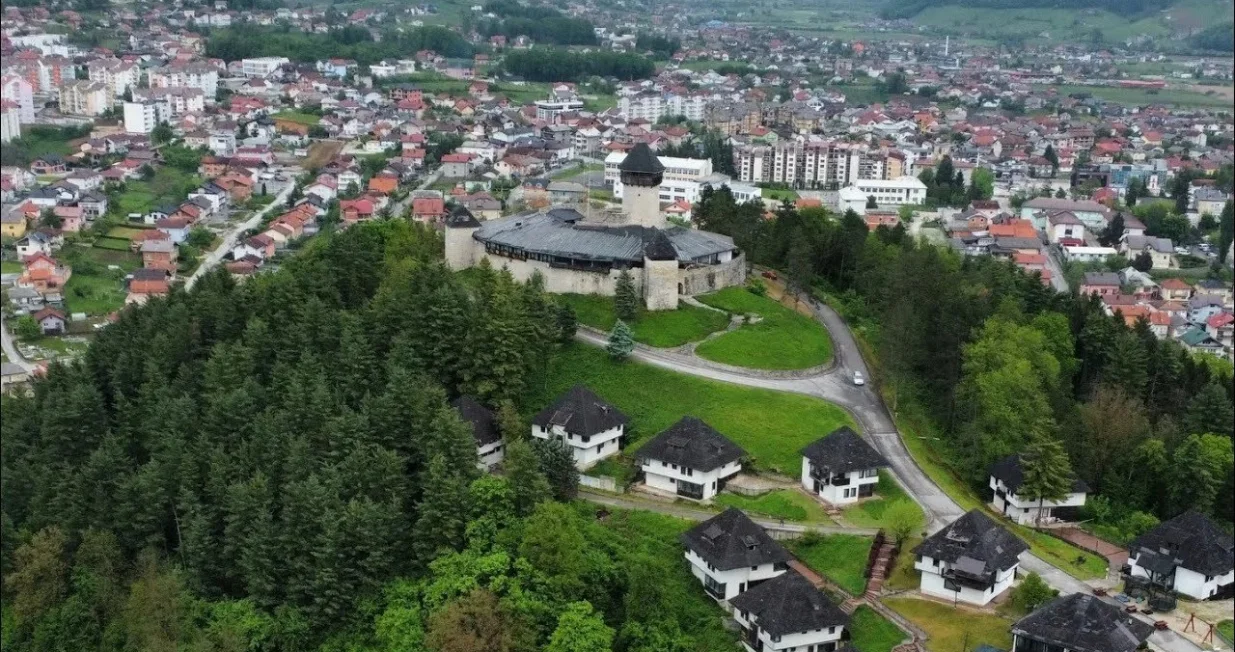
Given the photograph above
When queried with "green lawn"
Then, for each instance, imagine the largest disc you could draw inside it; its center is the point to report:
(579, 170)
(872, 632)
(783, 339)
(307, 119)
(125, 232)
(870, 513)
(95, 294)
(1227, 629)
(662, 328)
(168, 186)
(785, 504)
(114, 244)
(10, 267)
(839, 557)
(778, 194)
(951, 629)
(771, 426)
(903, 576)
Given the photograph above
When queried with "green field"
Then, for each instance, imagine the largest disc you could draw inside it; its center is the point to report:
(168, 187)
(950, 629)
(306, 119)
(1227, 629)
(114, 244)
(1141, 96)
(872, 632)
(903, 576)
(662, 328)
(870, 513)
(839, 557)
(578, 170)
(784, 339)
(786, 504)
(771, 426)
(95, 294)
(10, 267)
(779, 194)
(125, 232)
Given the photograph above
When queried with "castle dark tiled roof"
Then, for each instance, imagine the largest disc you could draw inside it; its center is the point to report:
(789, 604)
(659, 247)
(641, 160)
(976, 538)
(1083, 623)
(461, 218)
(484, 425)
(1009, 471)
(1193, 540)
(692, 443)
(843, 451)
(731, 540)
(580, 412)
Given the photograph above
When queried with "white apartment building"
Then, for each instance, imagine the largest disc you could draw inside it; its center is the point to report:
(729, 553)
(85, 97)
(16, 89)
(118, 76)
(10, 121)
(549, 109)
(809, 165)
(193, 75)
(653, 106)
(261, 66)
(182, 99)
(142, 117)
(902, 191)
(589, 427)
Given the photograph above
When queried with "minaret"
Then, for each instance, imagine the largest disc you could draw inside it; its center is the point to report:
(642, 173)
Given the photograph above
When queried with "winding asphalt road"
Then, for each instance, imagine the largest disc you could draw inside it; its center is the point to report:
(869, 411)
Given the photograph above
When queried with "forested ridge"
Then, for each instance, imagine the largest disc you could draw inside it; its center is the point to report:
(908, 8)
(275, 466)
(998, 363)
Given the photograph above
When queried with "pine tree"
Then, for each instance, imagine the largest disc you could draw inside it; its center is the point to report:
(442, 513)
(509, 423)
(621, 341)
(557, 462)
(1210, 411)
(626, 298)
(567, 324)
(250, 539)
(528, 484)
(1047, 472)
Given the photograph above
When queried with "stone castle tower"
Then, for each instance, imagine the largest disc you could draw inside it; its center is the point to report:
(641, 174)
(461, 250)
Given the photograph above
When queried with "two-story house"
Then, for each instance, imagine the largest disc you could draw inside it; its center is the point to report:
(841, 468)
(690, 459)
(729, 553)
(489, 449)
(590, 427)
(972, 560)
(1188, 554)
(1006, 478)
(1079, 623)
(788, 614)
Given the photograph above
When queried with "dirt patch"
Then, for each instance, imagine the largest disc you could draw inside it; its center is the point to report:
(321, 152)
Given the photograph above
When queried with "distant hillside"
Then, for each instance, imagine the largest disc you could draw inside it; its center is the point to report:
(1219, 37)
(910, 8)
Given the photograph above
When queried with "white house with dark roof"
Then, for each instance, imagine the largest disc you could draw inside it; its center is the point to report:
(690, 459)
(592, 428)
(490, 450)
(1006, 478)
(788, 614)
(729, 553)
(841, 468)
(1079, 623)
(971, 560)
(1188, 554)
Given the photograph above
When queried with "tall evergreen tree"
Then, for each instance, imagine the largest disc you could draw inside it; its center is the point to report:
(625, 297)
(621, 341)
(528, 484)
(1047, 472)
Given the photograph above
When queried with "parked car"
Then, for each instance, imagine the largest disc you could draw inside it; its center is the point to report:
(858, 378)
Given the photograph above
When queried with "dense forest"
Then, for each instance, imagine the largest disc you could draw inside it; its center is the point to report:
(274, 466)
(553, 65)
(539, 23)
(352, 42)
(1220, 38)
(908, 8)
(996, 362)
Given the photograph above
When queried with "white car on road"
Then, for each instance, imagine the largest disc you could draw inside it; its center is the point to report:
(858, 378)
